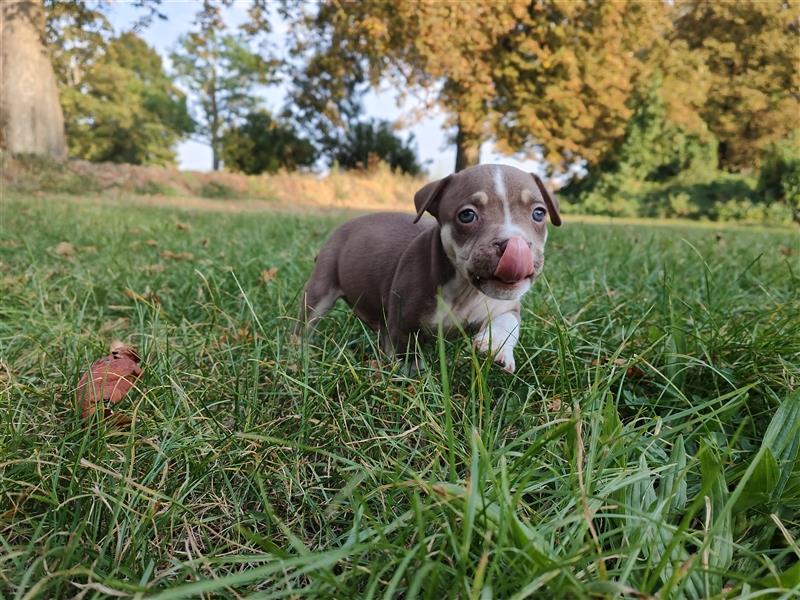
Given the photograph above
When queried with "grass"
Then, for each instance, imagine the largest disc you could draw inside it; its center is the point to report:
(647, 444)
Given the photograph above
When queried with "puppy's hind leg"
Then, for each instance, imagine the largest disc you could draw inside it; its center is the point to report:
(319, 296)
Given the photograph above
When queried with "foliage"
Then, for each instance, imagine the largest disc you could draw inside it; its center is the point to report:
(646, 446)
(222, 74)
(261, 144)
(418, 46)
(653, 154)
(367, 143)
(779, 177)
(122, 107)
(661, 170)
(519, 77)
(567, 72)
(749, 49)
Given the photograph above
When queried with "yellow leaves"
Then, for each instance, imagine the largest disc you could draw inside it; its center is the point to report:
(268, 275)
(170, 255)
(64, 249)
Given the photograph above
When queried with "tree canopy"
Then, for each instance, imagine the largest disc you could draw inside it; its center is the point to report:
(222, 73)
(122, 106)
(262, 144)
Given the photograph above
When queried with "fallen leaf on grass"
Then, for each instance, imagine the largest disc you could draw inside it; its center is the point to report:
(108, 380)
(149, 296)
(786, 250)
(268, 275)
(619, 362)
(64, 249)
(182, 226)
(152, 269)
(115, 325)
(151, 243)
(632, 371)
(170, 255)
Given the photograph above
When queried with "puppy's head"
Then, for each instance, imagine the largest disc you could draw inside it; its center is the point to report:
(493, 225)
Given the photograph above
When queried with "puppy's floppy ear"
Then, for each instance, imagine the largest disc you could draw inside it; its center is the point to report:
(550, 200)
(427, 198)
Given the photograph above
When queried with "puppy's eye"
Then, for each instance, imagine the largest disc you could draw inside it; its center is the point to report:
(467, 216)
(538, 214)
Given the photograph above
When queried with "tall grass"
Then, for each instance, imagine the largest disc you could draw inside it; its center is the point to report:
(647, 444)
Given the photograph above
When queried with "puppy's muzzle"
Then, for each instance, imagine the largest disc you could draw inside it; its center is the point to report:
(516, 261)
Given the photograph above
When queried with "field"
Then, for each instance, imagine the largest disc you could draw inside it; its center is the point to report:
(647, 444)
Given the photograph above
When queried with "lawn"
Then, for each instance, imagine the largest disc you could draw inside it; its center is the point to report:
(647, 443)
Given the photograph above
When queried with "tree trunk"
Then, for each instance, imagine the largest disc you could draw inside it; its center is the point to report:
(215, 155)
(468, 149)
(30, 113)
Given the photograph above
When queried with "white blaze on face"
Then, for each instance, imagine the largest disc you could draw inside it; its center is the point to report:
(509, 229)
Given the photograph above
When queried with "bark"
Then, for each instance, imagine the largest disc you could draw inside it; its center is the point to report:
(31, 120)
(468, 149)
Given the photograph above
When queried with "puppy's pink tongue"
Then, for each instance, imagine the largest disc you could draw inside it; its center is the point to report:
(516, 262)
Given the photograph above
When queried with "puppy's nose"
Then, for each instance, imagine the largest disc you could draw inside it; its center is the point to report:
(500, 245)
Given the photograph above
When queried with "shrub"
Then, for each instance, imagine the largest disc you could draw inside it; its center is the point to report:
(779, 179)
(262, 144)
(368, 143)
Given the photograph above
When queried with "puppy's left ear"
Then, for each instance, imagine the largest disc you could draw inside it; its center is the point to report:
(550, 200)
(427, 198)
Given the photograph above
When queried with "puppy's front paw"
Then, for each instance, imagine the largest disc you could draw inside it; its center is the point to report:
(505, 358)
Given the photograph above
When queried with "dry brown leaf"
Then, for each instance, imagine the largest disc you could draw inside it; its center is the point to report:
(786, 250)
(182, 226)
(555, 404)
(268, 275)
(115, 325)
(155, 268)
(109, 379)
(132, 295)
(151, 243)
(170, 255)
(64, 249)
(619, 362)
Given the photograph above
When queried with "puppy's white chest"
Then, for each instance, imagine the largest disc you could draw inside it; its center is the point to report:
(460, 304)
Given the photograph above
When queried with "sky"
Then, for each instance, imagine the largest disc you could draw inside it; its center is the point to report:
(430, 134)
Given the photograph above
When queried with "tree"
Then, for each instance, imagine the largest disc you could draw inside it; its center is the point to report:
(30, 114)
(420, 47)
(750, 48)
(779, 178)
(654, 155)
(557, 75)
(261, 144)
(123, 107)
(369, 142)
(566, 73)
(222, 73)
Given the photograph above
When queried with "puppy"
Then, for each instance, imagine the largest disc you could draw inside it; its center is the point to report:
(467, 269)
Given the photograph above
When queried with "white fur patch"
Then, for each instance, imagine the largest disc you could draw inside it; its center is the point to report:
(499, 337)
(509, 229)
(500, 185)
(462, 304)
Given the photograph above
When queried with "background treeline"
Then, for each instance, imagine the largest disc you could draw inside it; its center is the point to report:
(686, 108)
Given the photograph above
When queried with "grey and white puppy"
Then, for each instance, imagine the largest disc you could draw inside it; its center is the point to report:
(468, 268)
